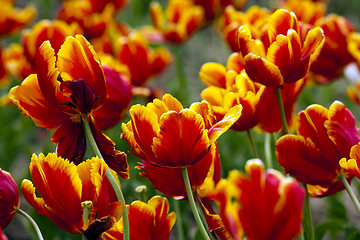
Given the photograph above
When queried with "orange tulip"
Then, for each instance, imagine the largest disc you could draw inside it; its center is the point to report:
(16, 62)
(255, 18)
(306, 11)
(63, 203)
(143, 62)
(21, 59)
(100, 5)
(287, 58)
(91, 22)
(335, 54)
(241, 92)
(65, 89)
(149, 220)
(260, 197)
(183, 18)
(324, 137)
(214, 8)
(167, 135)
(9, 198)
(351, 166)
(14, 19)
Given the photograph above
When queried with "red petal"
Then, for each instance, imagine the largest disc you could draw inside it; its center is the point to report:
(280, 22)
(182, 140)
(77, 59)
(262, 71)
(301, 159)
(31, 101)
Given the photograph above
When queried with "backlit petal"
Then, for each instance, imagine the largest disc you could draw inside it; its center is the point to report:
(313, 44)
(280, 22)
(213, 74)
(31, 101)
(182, 140)
(78, 60)
(145, 126)
(47, 73)
(262, 71)
(28, 190)
(222, 126)
(46, 173)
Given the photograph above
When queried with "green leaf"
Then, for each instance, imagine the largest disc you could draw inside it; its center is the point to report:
(331, 226)
(353, 236)
(335, 207)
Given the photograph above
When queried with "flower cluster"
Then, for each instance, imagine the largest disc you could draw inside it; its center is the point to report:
(98, 86)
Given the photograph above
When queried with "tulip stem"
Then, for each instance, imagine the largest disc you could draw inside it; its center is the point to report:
(267, 149)
(350, 192)
(192, 204)
(307, 222)
(252, 144)
(110, 177)
(282, 112)
(179, 220)
(28, 217)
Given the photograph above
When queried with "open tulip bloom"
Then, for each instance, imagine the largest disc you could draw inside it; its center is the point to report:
(67, 87)
(167, 135)
(324, 137)
(288, 57)
(66, 191)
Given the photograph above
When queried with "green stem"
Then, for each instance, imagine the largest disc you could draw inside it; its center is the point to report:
(110, 177)
(179, 220)
(252, 144)
(202, 229)
(27, 216)
(282, 111)
(350, 192)
(307, 222)
(267, 149)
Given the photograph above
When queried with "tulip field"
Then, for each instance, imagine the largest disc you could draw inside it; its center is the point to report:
(179, 119)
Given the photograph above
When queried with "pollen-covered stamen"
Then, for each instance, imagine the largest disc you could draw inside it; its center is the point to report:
(81, 94)
(87, 206)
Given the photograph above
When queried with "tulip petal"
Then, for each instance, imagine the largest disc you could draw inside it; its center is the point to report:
(47, 73)
(46, 173)
(145, 126)
(213, 74)
(341, 128)
(313, 44)
(28, 190)
(182, 140)
(280, 22)
(222, 126)
(301, 159)
(262, 71)
(31, 101)
(78, 60)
